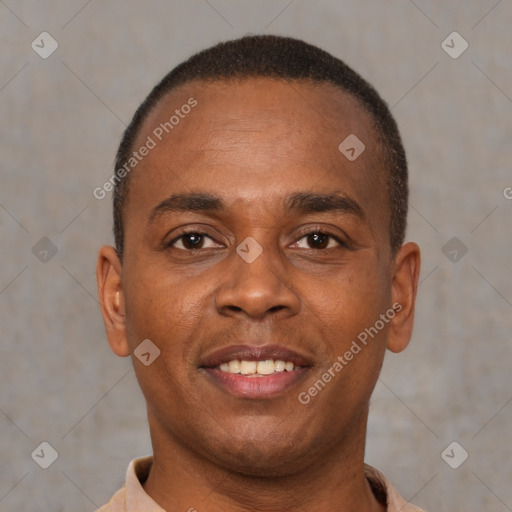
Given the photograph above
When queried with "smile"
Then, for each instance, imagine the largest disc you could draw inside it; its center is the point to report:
(256, 372)
(258, 368)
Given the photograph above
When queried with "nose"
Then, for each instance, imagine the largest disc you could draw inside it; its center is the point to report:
(258, 288)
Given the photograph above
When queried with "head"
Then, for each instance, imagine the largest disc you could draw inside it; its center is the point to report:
(290, 60)
(248, 222)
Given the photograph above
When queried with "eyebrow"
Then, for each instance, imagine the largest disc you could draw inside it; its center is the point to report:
(307, 202)
(193, 202)
(299, 202)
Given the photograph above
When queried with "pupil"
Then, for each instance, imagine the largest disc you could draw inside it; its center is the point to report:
(192, 241)
(319, 240)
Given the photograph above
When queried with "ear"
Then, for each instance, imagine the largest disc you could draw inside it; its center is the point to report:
(110, 292)
(403, 294)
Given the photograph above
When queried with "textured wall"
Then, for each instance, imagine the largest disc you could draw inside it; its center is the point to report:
(62, 118)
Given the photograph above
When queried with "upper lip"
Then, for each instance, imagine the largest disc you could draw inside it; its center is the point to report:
(253, 353)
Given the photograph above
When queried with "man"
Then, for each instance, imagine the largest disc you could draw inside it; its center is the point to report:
(258, 277)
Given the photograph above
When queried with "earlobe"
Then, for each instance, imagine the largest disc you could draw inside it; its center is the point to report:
(403, 295)
(111, 296)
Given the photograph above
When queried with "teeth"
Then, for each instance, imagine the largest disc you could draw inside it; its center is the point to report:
(266, 367)
(248, 367)
(280, 366)
(233, 366)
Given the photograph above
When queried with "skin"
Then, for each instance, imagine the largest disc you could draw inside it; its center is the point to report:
(252, 143)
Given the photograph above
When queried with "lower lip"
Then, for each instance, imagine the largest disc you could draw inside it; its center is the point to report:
(266, 386)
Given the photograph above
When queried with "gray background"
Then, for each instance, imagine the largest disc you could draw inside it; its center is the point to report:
(61, 120)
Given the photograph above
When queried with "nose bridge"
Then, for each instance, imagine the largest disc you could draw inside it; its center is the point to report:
(256, 282)
(258, 264)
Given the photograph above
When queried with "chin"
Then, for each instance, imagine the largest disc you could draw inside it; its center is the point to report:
(263, 458)
(271, 466)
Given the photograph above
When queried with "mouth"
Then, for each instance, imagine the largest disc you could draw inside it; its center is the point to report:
(256, 372)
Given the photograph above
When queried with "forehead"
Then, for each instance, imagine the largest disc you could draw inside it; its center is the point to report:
(258, 139)
(234, 109)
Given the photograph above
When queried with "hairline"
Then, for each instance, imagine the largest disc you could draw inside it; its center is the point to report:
(376, 131)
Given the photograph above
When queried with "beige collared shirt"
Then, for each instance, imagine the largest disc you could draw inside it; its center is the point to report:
(133, 498)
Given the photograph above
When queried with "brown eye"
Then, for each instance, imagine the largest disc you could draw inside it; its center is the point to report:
(318, 240)
(192, 241)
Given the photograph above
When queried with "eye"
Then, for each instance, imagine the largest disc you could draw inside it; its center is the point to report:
(192, 240)
(319, 240)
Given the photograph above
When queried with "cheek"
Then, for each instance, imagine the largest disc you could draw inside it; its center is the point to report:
(167, 309)
(164, 312)
(350, 300)
(349, 310)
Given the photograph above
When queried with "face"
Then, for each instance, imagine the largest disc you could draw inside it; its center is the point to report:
(249, 236)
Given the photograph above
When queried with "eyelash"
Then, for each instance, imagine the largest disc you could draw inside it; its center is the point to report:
(322, 231)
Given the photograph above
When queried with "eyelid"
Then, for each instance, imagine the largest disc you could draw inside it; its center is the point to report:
(324, 230)
(186, 231)
(302, 233)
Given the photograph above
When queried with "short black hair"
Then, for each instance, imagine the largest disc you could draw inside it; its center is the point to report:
(288, 59)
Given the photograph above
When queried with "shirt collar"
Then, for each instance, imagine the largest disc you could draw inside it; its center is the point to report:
(381, 485)
(137, 499)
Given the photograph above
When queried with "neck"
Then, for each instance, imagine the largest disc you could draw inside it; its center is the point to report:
(182, 480)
